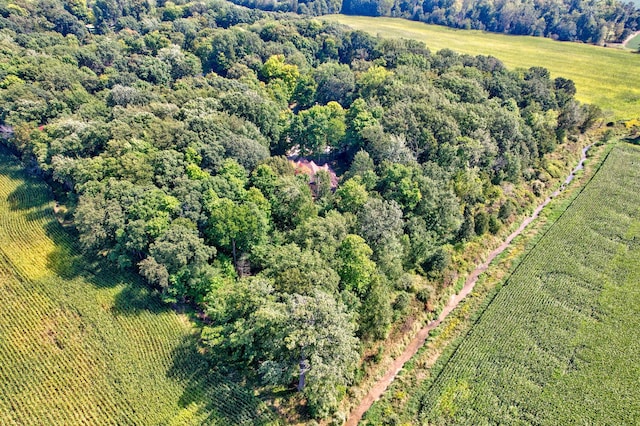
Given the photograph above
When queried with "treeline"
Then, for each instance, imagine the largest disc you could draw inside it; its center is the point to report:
(165, 128)
(568, 20)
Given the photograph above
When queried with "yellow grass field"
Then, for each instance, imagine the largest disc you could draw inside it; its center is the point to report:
(607, 77)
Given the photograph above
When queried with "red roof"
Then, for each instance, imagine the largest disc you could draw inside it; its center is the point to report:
(310, 169)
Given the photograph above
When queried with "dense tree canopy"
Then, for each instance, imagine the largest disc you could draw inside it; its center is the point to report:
(164, 129)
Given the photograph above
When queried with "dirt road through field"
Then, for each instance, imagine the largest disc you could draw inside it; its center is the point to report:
(412, 348)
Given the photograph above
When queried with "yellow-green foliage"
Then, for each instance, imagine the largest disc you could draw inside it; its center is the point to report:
(559, 343)
(79, 348)
(606, 77)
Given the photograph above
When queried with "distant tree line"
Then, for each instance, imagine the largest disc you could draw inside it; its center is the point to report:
(164, 126)
(588, 21)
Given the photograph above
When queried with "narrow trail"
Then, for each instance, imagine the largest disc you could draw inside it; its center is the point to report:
(412, 348)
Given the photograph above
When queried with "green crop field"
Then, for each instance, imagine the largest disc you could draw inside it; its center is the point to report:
(93, 349)
(634, 43)
(560, 342)
(606, 77)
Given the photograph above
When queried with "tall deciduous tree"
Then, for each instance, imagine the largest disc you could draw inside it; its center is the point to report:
(237, 226)
(317, 345)
(309, 339)
(179, 262)
(352, 195)
(317, 128)
(356, 267)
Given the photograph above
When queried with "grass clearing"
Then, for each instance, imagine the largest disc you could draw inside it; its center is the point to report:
(634, 43)
(559, 342)
(79, 348)
(606, 77)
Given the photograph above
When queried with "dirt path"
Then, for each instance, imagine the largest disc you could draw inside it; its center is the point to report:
(412, 348)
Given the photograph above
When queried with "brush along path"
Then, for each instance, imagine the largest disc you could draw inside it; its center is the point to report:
(418, 341)
(78, 348)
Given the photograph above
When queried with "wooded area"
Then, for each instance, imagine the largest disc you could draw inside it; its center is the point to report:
(583, 20)
(164, 131)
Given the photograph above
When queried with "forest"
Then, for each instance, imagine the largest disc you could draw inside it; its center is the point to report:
(165, 132)
(587, 21)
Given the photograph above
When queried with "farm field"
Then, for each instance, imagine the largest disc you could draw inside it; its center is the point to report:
(559, 343)
(79, 348)
(634, 43)
(606, 77)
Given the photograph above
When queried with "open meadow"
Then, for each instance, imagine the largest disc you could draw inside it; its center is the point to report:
(634, 42)
(559, 342)
(93, 349)
(607, 77)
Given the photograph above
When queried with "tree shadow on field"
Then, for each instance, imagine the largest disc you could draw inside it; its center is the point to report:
(68, 262)
(27, 196)
(35, 198)
(32, 196)
(220, 398)
(136, 297)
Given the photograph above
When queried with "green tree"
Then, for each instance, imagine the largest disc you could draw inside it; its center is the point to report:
(275, 68)
(358, 118)
(481, 222)
(323, 234)
(317, 128)
(352, 195)
(234, 226)
(316, 343)
(243, 316)
(292, 203)
(362, 165)
(381, 224)
(304, 94)
(336, 82)
(295, 269)
(356, 267)
(375, 313)
(179, 263)
(380, 221)
(307, 338)
(397, 183)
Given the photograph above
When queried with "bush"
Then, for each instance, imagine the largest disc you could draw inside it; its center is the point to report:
(402, 302)
(425, 294)
(481, 223)
(506, 210)
(494, 224)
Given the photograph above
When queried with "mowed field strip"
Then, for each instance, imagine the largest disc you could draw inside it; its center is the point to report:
(78, 348)
(560, 342)
(607, 77)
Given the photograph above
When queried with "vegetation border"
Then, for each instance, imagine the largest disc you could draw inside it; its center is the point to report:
(552, 213)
